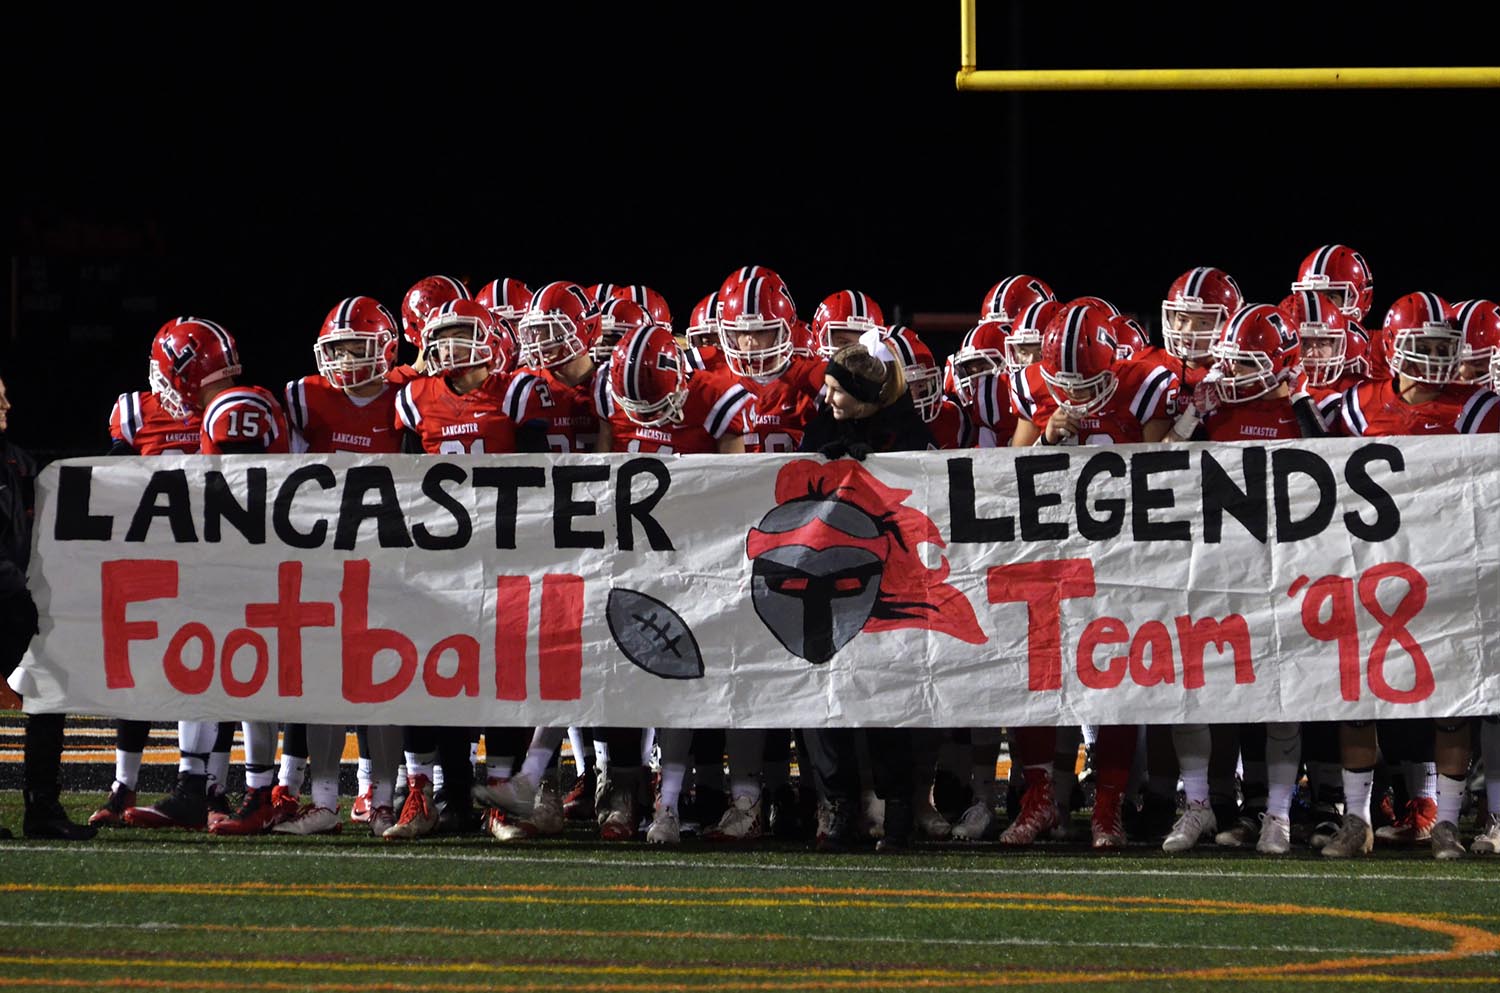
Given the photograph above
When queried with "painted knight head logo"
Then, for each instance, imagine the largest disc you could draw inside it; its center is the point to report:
(838, 555)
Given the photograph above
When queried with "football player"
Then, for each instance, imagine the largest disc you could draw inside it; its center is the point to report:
(1197, 306)
(348, 406)
(194, 365)
(1246, 396)
(139, 426)
(1421, 348)
(950, 427)
(981, 385)
(1081, 393)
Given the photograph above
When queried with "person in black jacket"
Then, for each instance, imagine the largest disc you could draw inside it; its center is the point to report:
(45, 817)
(867, 409)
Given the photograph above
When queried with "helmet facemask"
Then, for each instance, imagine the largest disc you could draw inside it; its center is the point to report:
(351, 359)
(756, 363)
(1079, 394)
(1427, 354)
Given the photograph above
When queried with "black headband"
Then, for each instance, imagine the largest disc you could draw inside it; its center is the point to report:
(859, 388)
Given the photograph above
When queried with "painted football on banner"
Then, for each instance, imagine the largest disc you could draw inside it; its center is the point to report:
(652, 635)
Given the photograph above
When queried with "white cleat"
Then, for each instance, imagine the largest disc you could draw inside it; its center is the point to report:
(975, 824)
(1275, 835)
(311, 820)
(664, 829)
(547, 815)
(1487, 841)
(516, 795)
(1196, 823)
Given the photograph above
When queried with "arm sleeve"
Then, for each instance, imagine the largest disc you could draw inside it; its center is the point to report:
(1308, 418)
(411, 444)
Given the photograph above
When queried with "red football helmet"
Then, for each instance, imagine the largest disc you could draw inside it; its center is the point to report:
(1323, 330)
(507, 346)
(617, 317)
(759, 305)
(1479, 355)
(652, 302)
(507, 298)
(357, 344)
(600, 292)
(1198, 305)
(1419, 340)
(187, 354)
(1340, 270)
(424, 296)
(1130, 337)
(1078, 359)
(556, 327)
(648, 376)
(923, 378)
(1255, 353)
(1023, 345)
(845, 312)
(804, 344)
(981, 354)
(1098, 303)
(1008, 298)
(459, 335)
(703, 325)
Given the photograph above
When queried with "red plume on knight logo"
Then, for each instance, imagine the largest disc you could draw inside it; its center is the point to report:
(838, 555)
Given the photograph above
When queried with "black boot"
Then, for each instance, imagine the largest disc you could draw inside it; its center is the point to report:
(46, 819)
(836, 828)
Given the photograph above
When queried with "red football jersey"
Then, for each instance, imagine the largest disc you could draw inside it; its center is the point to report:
(1188, 376)
(951, 428)
(324, 418)
(783, 406)
(568, 411)
(243, 414)
(1264, 419)
(709, 359)
(1143, 392)
(1375, 410)
(715, 407)
(992, 414)
(1328, 398)
(452, 424)
(138, 420)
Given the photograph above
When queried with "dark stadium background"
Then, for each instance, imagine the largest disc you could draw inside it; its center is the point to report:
(255, 166)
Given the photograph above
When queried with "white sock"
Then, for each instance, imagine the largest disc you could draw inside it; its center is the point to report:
(672, 774)
(1421, 779)
(1357, 789)
(218, 771)
(384, 744)
(362, 771)
(293, 773)
(420, 765)
(127, 768)
(1194, 745)
(535, 765)
(1283, 752)
(436, 775)
(1450, 798)
(580, 753)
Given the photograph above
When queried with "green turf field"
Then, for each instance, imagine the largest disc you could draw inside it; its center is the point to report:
(179, 911)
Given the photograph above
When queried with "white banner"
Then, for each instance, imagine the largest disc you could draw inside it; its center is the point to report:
(1136, 584)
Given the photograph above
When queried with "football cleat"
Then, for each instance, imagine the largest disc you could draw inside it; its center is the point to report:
(930, 821)
(218, 805)
(1354, 837)
(1275, 835)
(547, 815)
(1107, 827)
(382, 819)
(184, 807)
(1038, 811)
(617, 820)
(1487, 841)
(1445, 843)
(363, 804)
(112, 814)
(741, 822)
(664, 829)
(1414, 826)
(578, 804)
(833, 826)
(257, 815)
(311, 819)
(976, 823)
(1196, 823)
(501, 826)
(1244, 832)
(419, 815)
(516, 796)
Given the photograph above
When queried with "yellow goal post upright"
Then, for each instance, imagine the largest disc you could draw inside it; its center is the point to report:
(971, 77)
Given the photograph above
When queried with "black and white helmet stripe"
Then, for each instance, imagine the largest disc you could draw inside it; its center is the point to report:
(1072, 340)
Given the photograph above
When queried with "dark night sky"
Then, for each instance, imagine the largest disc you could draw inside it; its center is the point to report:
(258, 173)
